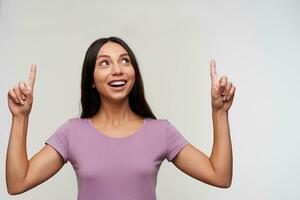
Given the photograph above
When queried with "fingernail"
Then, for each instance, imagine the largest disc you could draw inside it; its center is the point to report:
(22, 103)
(23, 97)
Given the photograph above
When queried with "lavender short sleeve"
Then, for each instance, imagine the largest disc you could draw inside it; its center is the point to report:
(59, 141)
(175, 141)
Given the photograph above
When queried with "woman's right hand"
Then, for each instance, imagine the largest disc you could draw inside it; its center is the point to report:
(20, 97)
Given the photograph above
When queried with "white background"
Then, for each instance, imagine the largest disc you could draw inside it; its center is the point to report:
(255, 43)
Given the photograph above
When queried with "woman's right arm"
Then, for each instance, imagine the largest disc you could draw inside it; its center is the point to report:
(23, 174)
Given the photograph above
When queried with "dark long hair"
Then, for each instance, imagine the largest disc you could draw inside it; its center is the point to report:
(90, 98)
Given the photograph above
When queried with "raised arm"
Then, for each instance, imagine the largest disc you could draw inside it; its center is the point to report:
(23, 174)
(215, 170)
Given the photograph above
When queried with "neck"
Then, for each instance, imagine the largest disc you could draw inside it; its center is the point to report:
(115, 112)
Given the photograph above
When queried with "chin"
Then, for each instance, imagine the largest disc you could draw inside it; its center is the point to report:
(120, 99)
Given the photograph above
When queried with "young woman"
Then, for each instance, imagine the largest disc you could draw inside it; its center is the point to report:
(117, 145)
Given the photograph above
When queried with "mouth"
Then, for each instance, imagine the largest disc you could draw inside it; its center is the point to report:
(117, 85)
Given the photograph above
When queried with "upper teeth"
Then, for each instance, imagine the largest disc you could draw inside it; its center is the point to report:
(117, 82)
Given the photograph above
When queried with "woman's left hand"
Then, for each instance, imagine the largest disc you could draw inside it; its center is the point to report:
(222, 90)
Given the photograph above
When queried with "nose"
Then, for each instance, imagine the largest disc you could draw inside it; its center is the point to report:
(116, 69)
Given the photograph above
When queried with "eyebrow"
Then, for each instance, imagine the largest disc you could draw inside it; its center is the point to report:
(102, 55)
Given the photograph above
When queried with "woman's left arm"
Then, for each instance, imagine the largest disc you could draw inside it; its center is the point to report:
(216, 170)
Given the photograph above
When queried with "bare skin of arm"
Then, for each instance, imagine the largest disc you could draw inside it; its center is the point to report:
(23, 174)
(215, 170)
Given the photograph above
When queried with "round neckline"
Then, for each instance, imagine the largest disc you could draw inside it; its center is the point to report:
(138, 132)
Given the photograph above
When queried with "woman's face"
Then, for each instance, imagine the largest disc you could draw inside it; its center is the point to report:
(113, 63)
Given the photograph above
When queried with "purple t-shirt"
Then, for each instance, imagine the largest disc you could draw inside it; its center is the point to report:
(111, 168)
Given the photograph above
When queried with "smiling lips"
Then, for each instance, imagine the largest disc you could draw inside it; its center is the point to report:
(117, 84)
(123, 80)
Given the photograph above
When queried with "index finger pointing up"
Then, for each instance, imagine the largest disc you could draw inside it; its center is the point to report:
(213, 71)
(31, 78)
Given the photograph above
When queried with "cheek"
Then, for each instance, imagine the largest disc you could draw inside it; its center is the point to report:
(132, 77)
(99, 77)
(131, 73)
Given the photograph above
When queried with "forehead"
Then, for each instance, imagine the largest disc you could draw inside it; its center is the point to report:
(112, 49)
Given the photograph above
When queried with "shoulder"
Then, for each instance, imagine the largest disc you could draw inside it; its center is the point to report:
(166, 126)
(75, 120)
(158, 122)
(72, 123)
(161, 124)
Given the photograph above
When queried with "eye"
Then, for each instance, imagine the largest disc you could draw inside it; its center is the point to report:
(126, 60)
(104, 61)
